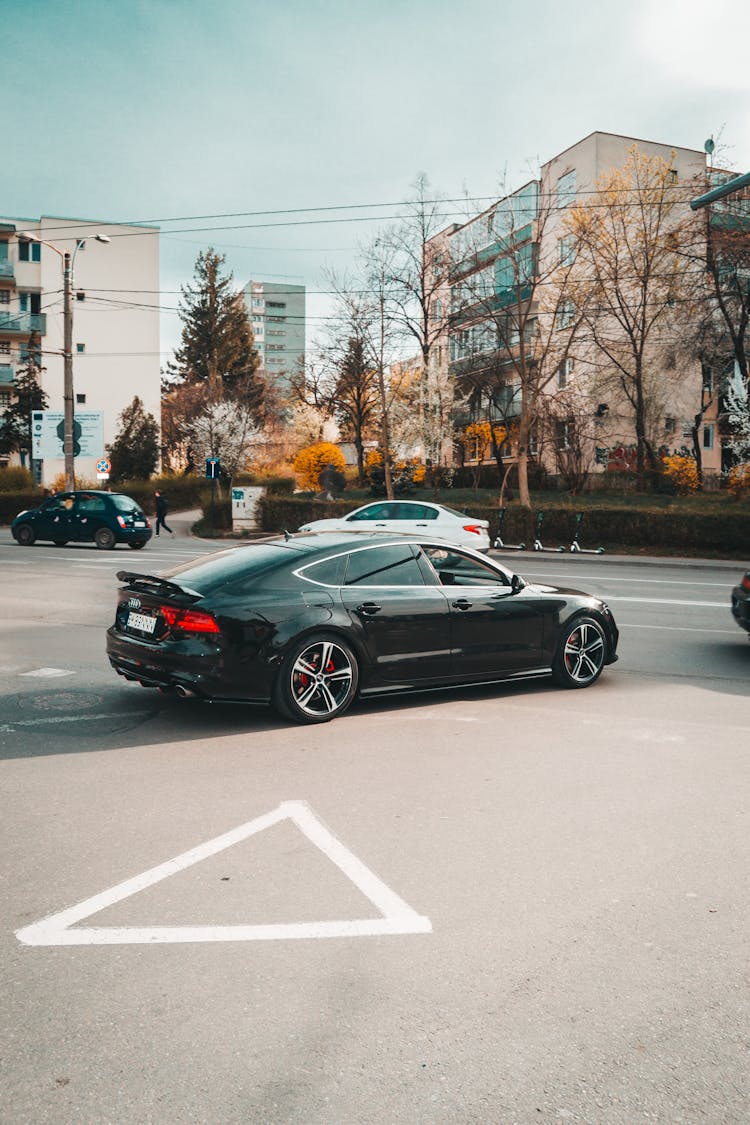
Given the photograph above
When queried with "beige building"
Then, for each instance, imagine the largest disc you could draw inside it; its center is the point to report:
(115, 304)
(503, 320)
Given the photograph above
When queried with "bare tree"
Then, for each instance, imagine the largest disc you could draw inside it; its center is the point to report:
(630, 286)
(513, 324)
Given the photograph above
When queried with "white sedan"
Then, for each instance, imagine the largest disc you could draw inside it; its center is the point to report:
(411, 517)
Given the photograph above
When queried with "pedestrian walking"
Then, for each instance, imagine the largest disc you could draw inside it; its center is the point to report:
(162, 507)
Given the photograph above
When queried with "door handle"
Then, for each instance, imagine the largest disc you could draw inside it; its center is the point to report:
(369, 608)
(461, 603)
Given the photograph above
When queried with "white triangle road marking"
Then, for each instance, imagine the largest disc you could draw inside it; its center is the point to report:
(397, 917)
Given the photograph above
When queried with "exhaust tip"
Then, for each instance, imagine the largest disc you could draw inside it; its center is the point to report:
(183, 692)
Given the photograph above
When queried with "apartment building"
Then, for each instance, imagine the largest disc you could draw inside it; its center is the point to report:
(115, 312)
(497, 323)
(277, 314)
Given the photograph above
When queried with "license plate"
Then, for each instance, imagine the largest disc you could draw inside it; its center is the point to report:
(141, 621)
(139, 523)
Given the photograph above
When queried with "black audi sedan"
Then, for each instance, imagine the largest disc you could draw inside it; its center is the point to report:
(87, 516)
(308, 622)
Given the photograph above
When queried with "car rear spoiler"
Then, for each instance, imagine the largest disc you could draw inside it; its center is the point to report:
(154, 583)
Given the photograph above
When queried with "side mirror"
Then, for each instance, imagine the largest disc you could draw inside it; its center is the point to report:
(516, 583)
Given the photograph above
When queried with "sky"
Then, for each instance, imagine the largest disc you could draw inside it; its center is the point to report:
(167, 110)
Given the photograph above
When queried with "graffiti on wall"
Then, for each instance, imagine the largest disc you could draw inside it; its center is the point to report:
(623, 458)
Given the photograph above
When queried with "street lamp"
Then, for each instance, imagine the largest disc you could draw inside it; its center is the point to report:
(68, 399)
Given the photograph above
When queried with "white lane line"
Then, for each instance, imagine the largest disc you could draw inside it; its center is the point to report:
(667, 601)
(11, 724)
(48, 672)
(643, 580)
(397, 916)
(679, 629)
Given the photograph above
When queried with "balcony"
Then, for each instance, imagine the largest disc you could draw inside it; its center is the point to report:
(22, 324)
(7, 375)
(7, 270)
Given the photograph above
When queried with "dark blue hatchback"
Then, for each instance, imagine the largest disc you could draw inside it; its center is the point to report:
(103, 518)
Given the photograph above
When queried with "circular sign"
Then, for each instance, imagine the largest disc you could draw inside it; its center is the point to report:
(103, 466)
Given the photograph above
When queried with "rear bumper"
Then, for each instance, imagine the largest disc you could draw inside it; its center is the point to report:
(194, 664)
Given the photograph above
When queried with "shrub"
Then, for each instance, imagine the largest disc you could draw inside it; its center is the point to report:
(682, 474)
(310, 462)
(738, 481)
(16, 479)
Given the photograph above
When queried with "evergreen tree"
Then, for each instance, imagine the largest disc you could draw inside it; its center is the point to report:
(217, 348)
(135, 451)
(15, 423)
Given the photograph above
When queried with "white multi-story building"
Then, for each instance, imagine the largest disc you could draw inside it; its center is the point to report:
(277, 313)
(115, 318)
(493, 304)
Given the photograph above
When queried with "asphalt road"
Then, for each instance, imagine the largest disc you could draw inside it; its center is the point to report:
(507, 904)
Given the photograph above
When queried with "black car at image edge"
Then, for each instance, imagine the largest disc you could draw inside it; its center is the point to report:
(741, 602)
(85, 516)
(308, 622)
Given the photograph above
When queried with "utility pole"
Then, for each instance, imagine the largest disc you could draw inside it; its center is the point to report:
(68, 403)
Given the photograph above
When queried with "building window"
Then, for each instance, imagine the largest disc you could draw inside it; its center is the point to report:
(4, 297)
(670, 424)
(257, 302)
(5, 398)
(29, 251)
(708, 437)
(564, 371)
(275, 347)
(708, 378)
(276, 304)
(80, 348)
(81, 400)
(566, 189)
(277, 319)
(565, 313)
(563, 434)
(80, 295)
(567, 250)
(30, 302)
(4, 347)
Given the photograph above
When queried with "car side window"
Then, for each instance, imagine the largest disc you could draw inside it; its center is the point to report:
(59, 504)
(456, 569)
(371, 512)
(89, 505)
(384, 566)
(425, 513)
(329, 572)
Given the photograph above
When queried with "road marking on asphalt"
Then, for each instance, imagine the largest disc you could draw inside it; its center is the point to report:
(11, 724)
(679, 629)
(397, 916)
(48, 672)
(668, 601)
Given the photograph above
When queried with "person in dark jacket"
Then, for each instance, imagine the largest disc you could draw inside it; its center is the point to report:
(162, 506)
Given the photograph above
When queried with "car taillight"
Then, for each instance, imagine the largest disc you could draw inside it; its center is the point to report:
(189, 620)
(745, 583)
(121, 521)
(473, 527)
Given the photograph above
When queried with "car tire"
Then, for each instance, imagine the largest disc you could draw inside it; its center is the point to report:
(60, 542)
(25, 535)
(104, 538)
(136, 546)
(581, 653)
(317, 681)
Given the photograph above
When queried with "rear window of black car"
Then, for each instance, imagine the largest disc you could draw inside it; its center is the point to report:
(239, 566)
(124, 504)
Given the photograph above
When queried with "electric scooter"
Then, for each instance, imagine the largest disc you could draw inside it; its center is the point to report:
(538, 542)
(575, 546)
(498, 544)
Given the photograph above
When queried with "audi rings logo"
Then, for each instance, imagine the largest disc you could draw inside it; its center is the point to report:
(134, 603)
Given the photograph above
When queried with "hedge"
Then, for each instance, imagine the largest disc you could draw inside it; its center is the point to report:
(615, 529)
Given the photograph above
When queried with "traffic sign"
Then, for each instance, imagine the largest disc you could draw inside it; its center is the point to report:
(104, 466)
(213, 468)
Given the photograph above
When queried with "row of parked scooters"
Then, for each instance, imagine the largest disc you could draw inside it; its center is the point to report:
(575, 547)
